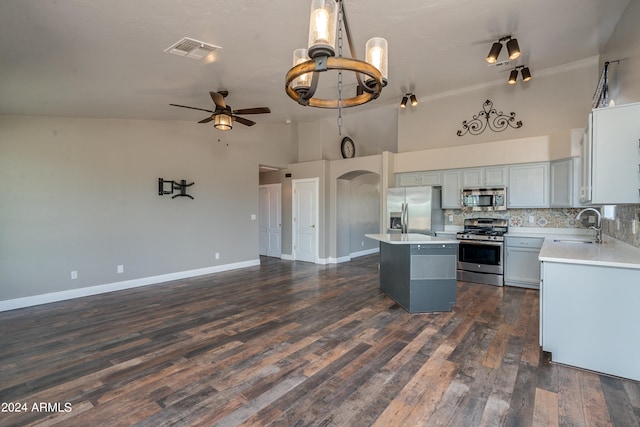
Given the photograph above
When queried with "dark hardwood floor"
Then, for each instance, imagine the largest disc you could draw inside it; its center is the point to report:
(294, 344)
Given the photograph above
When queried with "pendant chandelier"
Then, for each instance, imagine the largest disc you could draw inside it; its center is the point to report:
(328, 19)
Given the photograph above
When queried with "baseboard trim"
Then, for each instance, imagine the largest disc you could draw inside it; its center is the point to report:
(23, 302)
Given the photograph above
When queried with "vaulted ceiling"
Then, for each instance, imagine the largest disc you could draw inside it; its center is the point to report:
(99, 58)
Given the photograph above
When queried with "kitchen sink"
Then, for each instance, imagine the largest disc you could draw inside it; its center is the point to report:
(572, 241)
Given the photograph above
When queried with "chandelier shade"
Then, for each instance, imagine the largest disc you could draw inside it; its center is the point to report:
(323, 25)
(376, 55)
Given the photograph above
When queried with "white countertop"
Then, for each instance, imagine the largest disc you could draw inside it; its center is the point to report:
(410, 239)
(611, 253)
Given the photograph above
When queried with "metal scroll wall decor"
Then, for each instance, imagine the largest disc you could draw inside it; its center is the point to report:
(489, 118)
(174, 185)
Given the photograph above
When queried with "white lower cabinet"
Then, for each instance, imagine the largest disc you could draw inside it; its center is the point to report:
(589, 317)
(522, 267)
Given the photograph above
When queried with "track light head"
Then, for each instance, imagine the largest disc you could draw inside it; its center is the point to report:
(513, 76)
(492, 58)
(414, 100)
(513, 49)
(403, 103)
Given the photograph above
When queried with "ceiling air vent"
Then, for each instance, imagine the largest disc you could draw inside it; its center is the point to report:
(191, 48)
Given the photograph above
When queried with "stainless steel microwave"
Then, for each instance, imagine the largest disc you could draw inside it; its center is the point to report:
(484, 199)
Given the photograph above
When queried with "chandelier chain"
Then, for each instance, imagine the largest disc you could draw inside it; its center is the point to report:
(340, 71)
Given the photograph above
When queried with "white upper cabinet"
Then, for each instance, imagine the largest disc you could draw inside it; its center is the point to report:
(451, 189)
(565, 182)
(528, 186)
(611, 156)
(418, 178)
(495, 176)
(472, 177)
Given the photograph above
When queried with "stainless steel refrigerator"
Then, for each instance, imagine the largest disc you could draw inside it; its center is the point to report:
(414, 210)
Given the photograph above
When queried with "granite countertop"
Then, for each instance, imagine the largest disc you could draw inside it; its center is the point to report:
(611, 253)
(410, 239)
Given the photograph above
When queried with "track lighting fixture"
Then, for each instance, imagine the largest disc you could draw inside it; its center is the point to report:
(513, 76)
(512, 49)
(409, 97)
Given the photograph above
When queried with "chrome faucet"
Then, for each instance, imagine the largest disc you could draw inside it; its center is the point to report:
(598, 228)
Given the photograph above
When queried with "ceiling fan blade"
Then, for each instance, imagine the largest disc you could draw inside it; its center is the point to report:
(218, 100)
(244, 121)
(257, 110)
(193, 108)
(207, 120)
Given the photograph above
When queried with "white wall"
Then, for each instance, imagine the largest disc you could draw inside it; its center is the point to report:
(624, 45)
(553, 101)
(373, 130)
(82, 195)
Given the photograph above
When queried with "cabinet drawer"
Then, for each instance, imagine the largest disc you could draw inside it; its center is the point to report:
(524, 242)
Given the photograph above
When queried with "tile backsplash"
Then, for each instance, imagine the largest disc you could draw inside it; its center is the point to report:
(620, 228)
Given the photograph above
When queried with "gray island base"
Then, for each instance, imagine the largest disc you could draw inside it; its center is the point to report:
(418, 271)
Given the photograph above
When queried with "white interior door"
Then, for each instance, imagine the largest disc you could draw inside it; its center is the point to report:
(274, 226)
(270, 220)
(263, 218)
(305, 220)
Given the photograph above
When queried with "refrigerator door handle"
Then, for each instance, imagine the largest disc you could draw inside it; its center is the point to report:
(405, 218)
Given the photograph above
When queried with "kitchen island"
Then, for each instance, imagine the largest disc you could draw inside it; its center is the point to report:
(589, 299)
(418, 271)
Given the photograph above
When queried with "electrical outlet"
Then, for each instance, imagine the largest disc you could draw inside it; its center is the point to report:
(253, 217)
(362, 244)
(120, 269)
(617, 223)
(634, 227)
(450, 218)
(532, 219)
(217, 255)
(74, 275)
(592, 219)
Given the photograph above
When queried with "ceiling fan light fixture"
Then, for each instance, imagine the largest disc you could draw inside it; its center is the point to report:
(492, 58)
(222, 122)
(323, 25)
(526, 74)
(414, 100)
(513, 77)
(513, 49)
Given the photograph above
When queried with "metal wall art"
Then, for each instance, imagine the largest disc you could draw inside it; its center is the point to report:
(489, 118)
(174, 185)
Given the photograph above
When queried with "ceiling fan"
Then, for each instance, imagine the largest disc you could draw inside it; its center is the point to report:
(223, 116)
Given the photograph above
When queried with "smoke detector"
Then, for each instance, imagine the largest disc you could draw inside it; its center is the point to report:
(191, 48)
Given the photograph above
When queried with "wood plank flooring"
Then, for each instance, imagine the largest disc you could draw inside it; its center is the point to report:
(294, 344)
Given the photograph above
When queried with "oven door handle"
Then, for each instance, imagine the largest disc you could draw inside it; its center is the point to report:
(480, 242)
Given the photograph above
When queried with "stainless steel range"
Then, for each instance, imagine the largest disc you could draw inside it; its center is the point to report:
(481, 250)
